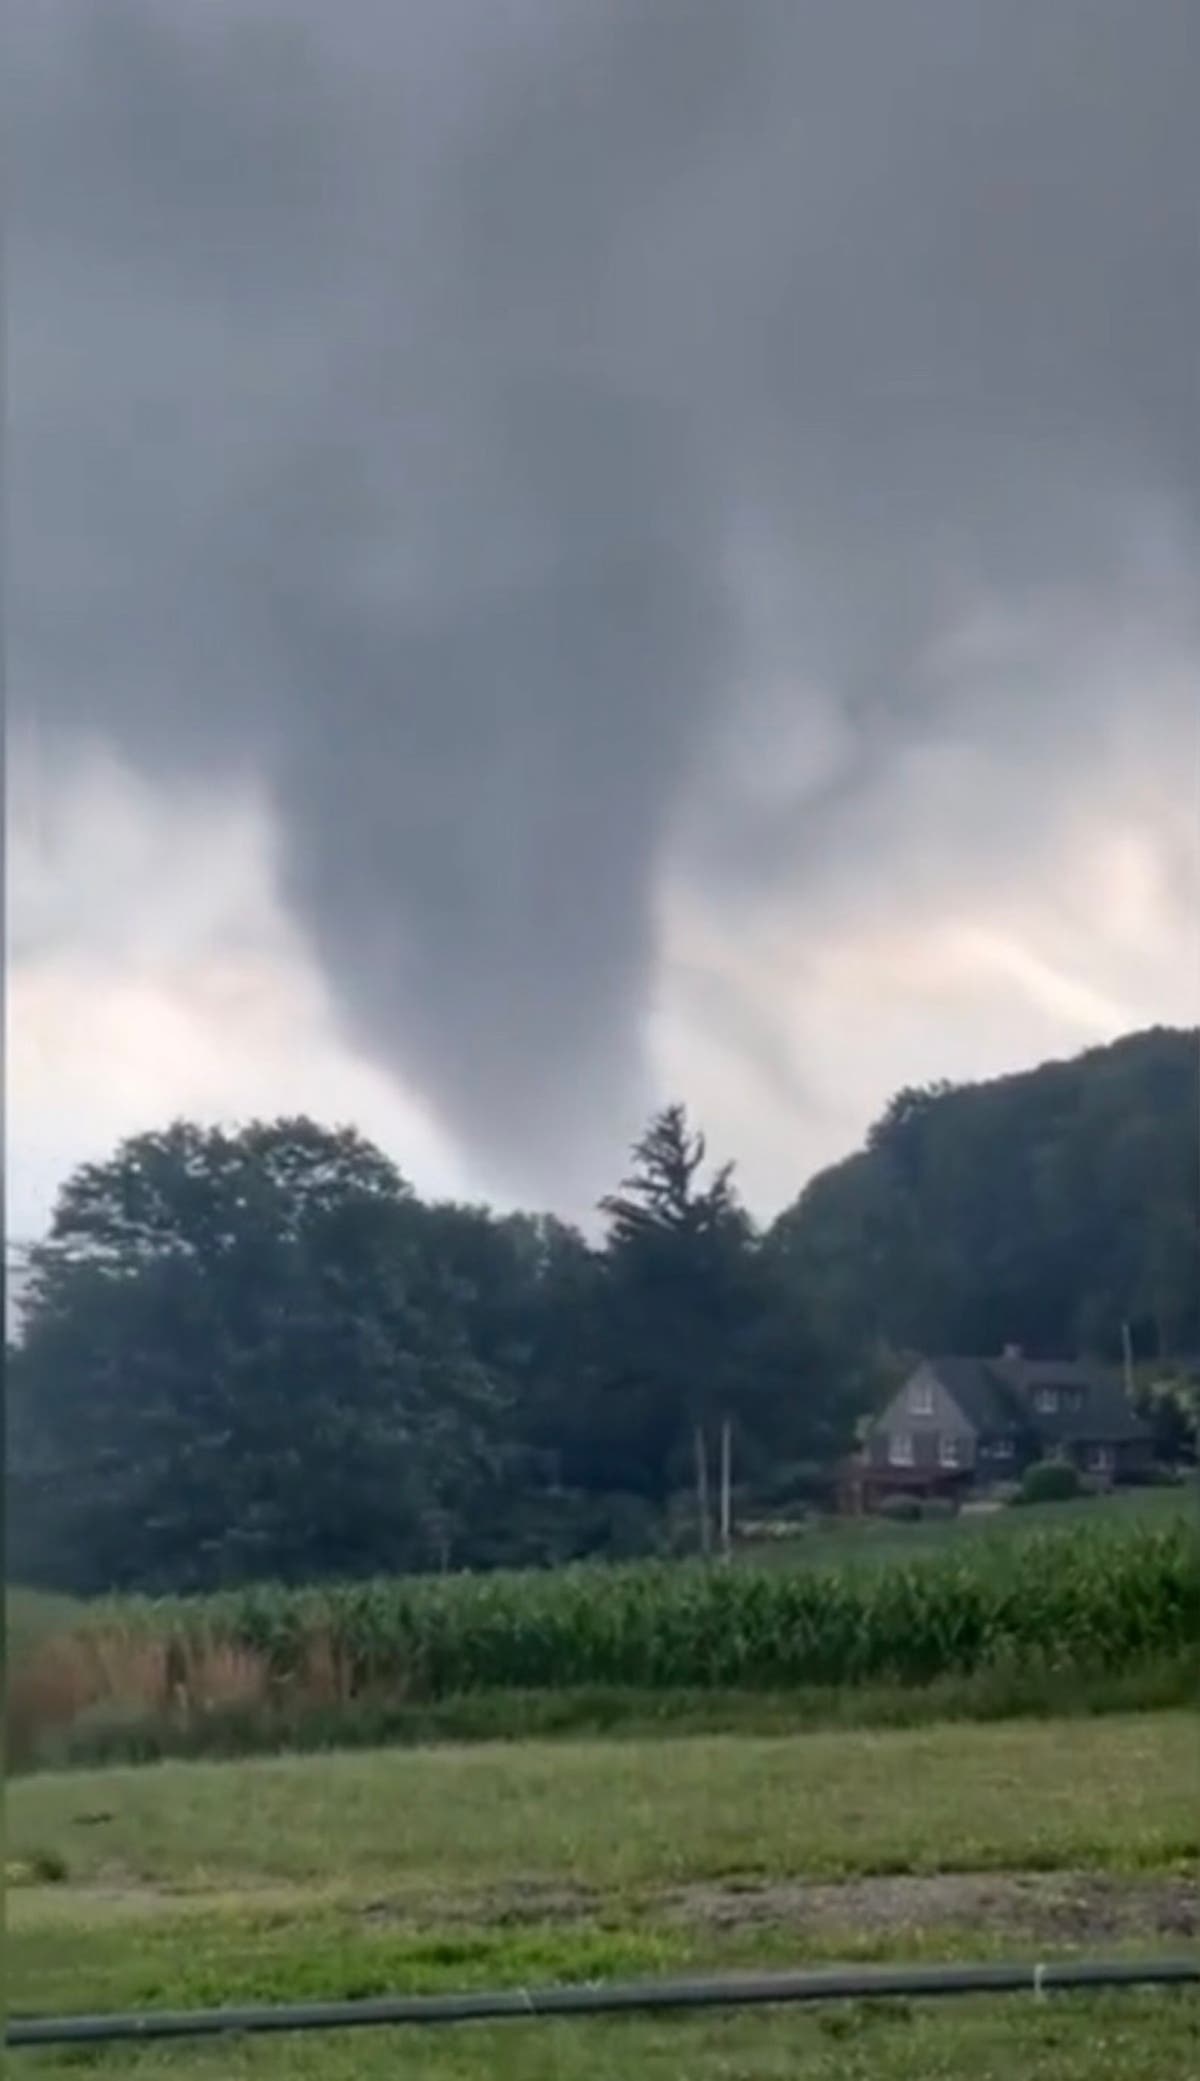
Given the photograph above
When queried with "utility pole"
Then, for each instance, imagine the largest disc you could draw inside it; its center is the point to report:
(703, 1507)
(1127, 1355)
(726, 1489)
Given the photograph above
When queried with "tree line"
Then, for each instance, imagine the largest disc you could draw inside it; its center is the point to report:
(1059, 1209)
(260, 1354)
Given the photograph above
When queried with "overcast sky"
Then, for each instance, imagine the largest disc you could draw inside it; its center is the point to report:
(571, 552)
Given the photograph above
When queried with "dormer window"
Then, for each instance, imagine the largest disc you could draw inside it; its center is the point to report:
(920, 1398)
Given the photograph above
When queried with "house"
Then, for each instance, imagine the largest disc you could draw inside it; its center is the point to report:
(959, 1424)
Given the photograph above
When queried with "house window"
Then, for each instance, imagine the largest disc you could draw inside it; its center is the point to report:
(1001, 1448)
(900, 1449)
(1100, 1459)
(1046, 1401)
(920, 1398)
(949, 1450)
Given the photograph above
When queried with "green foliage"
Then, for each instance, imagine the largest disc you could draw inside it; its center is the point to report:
(38, 1867)
(258, 1355)
(49, 1868)
(1151, 1477)
(1046, 1209)
(703, 1332)
(873, 1541)
(1049, 1481)
(239, 1361)
(680, 1299)
(113, 1738)
(1074, 1602)
(901, 1510)
(1167, 1396)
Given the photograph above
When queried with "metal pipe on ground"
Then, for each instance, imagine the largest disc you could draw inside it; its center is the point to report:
(734, 1990)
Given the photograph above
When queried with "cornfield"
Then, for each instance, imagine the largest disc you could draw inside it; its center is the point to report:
(1081, 1602)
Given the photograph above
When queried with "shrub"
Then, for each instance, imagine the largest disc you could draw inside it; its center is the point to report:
(1156, 1475)
(939, 1510)
(49, 1868)
(1050, 1481)
(40, 1868)
(796, 1486)
(900, 1510)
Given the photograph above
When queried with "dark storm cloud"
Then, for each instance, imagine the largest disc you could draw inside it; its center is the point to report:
(406, 399)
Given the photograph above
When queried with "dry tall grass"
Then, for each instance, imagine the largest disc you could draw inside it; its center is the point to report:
(130, 1676)
(111, 1676)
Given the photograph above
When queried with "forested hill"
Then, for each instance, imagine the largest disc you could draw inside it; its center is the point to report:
(258, 1353)
(1045, 1209)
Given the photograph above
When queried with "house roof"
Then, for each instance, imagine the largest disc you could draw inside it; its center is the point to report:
(987, 1400)
(996, 1394)
(1106, 1414)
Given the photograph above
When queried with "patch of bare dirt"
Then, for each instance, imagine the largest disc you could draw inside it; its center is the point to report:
(1049, 1907)
(521, 1901)
(1064, 1907)
(1034, 1907)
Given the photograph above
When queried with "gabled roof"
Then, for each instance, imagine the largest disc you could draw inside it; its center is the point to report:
(1106, 1415)
(986, 1399)
(998, 1394)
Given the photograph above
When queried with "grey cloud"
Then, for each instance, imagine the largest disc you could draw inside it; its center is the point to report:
(405, 397)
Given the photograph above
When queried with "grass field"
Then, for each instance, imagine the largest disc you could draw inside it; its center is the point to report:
(514, 1864)
(832, 1542)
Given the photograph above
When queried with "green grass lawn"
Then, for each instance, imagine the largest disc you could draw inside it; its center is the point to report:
(1118, 1791)
(523, 1863)
(831, 1542)
(1095, 2038)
